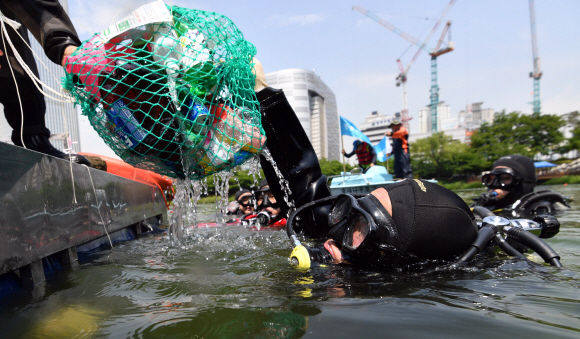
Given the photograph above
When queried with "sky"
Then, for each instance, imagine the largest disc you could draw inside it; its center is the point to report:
(356, 57)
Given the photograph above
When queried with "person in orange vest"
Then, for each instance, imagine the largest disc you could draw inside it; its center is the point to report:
(367, 157)
(400, 137)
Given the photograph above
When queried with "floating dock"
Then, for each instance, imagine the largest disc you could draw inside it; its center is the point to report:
(50, 206)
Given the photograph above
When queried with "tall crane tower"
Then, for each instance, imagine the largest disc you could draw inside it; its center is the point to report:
(402, 77)
(537, 73)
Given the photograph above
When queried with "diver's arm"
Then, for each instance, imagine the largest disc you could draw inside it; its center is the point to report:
(348, 155)
(49, 24)
(291, 150)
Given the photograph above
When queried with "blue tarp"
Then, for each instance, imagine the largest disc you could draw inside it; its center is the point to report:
(544, 164)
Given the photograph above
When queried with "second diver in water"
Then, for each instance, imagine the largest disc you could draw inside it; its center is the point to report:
(510, 190)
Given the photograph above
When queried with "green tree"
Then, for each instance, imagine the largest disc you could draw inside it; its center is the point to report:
(439, 156)
(572, 143)
(433, 156)
(466, 160)
(516, 133)
(333, 167)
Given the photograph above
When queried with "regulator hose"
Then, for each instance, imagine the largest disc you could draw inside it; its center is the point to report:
(535, 244)
(507, 248)
(482, 212)
(484, 235)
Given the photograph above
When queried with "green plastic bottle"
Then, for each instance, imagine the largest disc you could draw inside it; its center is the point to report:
(200, 69)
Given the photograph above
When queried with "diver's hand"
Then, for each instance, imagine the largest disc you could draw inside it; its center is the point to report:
(487, 197)
(260, 75)
(68, 51)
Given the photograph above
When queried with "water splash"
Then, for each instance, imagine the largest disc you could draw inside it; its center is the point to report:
(173, 92)
(284, 184)
(253, 166)
(181, 203)
(222, 187)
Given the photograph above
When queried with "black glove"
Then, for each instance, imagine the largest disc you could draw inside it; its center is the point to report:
(487, 198)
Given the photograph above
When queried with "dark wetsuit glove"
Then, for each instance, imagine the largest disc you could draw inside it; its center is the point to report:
(485, 199)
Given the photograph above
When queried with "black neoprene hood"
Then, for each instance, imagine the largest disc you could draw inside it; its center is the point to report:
(432, 221)
(525, 169)
(241, 192)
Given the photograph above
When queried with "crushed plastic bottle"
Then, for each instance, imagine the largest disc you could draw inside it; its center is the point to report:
(164, 48)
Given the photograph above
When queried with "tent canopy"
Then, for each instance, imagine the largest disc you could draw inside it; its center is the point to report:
(544, 164)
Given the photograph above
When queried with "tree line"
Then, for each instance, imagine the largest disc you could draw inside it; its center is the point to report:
(440, 157)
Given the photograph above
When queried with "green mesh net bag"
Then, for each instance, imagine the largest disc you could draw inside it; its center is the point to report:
(173, 96)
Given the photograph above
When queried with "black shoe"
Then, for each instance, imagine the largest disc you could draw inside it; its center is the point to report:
(40, 143)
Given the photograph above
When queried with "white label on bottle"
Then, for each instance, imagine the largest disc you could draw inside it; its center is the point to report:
(146, 14)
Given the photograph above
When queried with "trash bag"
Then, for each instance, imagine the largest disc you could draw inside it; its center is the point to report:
(170, 90)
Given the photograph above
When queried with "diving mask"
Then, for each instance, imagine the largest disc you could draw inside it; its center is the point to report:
(267, 203)
(247, 201)
(361, 228)
(503, 178)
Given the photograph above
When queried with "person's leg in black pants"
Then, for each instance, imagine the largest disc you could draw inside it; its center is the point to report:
(32, 131)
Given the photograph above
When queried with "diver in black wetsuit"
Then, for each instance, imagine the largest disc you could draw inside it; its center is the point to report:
(510, 192)
(408, 221)
(401, 224)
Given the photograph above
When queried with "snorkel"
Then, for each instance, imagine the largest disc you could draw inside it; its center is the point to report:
(303, 257)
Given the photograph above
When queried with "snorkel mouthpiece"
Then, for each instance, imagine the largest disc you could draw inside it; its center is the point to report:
(306, 257)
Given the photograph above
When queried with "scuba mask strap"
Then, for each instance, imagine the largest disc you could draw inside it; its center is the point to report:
(289, 227)
(387, 233)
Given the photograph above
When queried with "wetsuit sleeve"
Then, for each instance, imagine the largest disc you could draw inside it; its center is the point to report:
(348, 155)
(293, 154)
(49, 24)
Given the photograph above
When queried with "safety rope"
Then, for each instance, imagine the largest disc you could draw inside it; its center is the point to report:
(15, 25)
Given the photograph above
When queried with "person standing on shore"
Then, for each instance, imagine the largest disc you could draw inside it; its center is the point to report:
(400, 137)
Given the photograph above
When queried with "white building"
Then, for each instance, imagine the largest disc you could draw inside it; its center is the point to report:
(315, 105)
(444, 120)
(474, 116)
(61, 118)
(376, 125)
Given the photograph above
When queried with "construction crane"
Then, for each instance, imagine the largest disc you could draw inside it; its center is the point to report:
(537, 73)
(402, 77)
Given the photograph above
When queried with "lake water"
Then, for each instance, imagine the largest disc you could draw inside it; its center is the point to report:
(236, 283)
